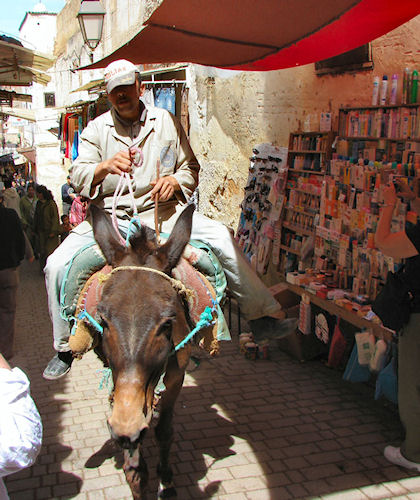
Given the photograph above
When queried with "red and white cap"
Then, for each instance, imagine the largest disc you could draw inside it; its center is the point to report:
(118, 73)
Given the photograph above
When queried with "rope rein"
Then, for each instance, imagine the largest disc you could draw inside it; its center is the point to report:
(124, 183)
(157, 203)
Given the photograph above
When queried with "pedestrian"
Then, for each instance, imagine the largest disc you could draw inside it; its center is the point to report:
(11, 196)
(12, 251)
(46, 224)
(65, 227)
(20, 423)
(405, 245)
(27, 212)
(131, 138)
(67, 196)
(78, 210)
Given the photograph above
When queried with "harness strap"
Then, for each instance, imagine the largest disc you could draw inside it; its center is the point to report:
(178, 285)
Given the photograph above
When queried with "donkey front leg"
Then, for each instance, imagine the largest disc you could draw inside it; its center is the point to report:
(136, 473)
(164, 429)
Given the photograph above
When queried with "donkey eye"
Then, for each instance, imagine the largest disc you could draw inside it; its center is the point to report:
(166, 328)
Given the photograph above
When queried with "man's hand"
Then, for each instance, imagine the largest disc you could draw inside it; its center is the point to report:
(390, 196)
(118, 164)
(164, 188)
(404, 191)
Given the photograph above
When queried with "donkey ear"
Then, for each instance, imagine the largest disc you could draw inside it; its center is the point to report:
(105, 236)
(172, 250)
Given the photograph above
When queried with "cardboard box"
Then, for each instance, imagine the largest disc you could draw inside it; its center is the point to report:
(284, 296)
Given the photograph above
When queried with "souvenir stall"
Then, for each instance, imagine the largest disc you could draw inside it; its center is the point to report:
(74, 120)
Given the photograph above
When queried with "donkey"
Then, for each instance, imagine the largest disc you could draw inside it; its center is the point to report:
(143, 315)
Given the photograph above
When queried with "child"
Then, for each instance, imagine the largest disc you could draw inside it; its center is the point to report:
(65, 227)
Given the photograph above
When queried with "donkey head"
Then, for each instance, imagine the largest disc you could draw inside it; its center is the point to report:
(139, 311)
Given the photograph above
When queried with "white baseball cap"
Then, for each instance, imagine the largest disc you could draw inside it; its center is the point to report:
(120, 72)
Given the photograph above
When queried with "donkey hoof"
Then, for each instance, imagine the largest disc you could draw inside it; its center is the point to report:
(166, 491)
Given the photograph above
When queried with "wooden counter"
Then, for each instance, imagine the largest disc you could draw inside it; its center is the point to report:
(329, 306)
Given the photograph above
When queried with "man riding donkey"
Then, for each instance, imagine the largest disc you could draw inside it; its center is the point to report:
(131, 139)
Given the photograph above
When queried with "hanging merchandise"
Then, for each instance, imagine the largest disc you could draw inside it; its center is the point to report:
(75, 146)
(185, 117)
(354, 371)
(378, 359)
(262, 205)
(365, 347)
(165, 98)
(337, 348)
(148, 98)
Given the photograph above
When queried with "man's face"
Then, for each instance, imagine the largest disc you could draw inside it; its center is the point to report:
(31, 192)
(125, 100)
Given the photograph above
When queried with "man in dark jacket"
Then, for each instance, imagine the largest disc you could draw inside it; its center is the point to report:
(12, 251)
(67, 196)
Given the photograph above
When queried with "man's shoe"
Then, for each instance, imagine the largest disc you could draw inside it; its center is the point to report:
(59, 365)
(268, 328)
(393, 455)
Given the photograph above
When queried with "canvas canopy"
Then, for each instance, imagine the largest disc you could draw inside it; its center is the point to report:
(260, 35)
(20, 66)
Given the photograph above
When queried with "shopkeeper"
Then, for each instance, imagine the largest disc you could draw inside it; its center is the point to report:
(405, 245)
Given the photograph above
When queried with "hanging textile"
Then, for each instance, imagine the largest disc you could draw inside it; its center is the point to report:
(148, 98)
(165, 98)
(75, 146)
(185, 117)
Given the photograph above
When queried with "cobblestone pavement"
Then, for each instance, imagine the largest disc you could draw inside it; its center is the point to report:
(245, 430)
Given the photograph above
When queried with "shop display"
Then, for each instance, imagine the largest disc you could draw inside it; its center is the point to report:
(264, 197)
(317, 213)
(307, 159)
(379, 133)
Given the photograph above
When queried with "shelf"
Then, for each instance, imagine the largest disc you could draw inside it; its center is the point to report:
(393, 106)
(365, 138)
(306, 151)
(304, 191)
(298, 229)
(349, 316)
(302, 211)
(311, 134)
(300, 171)
(291, 250)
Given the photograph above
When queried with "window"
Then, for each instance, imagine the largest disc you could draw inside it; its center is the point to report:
(49, 98)
(358, 59)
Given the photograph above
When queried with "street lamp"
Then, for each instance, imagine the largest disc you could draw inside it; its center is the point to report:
(91, 20)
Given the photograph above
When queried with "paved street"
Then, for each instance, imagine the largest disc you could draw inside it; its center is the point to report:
(245, 430)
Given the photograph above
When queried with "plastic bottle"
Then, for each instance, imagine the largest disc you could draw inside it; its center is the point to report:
(394, 88)
(375, 93)
(384, 90)
(414, 86)
(406, 87)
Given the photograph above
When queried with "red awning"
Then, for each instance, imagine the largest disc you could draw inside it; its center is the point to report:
(260, 35)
